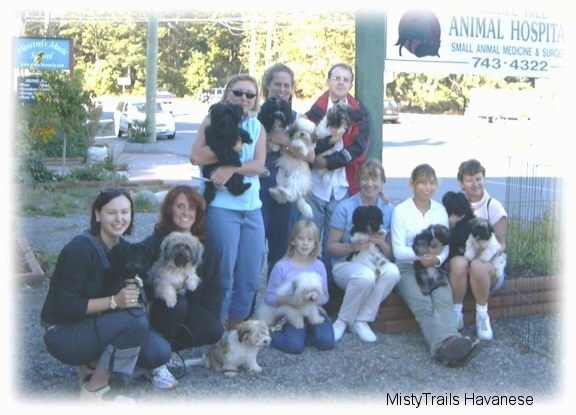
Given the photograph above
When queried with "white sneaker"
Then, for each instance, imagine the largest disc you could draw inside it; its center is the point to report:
(483, 329)
(460, 321)
(339, 328)
(162, 378)
(364, 332)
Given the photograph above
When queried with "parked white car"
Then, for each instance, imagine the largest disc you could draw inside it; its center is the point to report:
(130, 115)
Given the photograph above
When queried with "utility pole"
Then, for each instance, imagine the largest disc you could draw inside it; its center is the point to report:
(370, 54)
(151, 75)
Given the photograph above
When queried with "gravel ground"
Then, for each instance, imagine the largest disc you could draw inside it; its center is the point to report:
(523, 359)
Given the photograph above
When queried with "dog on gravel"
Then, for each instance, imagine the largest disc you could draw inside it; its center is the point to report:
(275, 115)
(175, 268)
(225, 137)
(367, 222)
(460, 214)
(294, 178)
(430, 241)
(237, 349)
(306, 296)
(338, 117)
(482, 244)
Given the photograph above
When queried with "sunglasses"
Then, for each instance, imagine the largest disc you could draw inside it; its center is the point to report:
(248, 95)
(115, 192)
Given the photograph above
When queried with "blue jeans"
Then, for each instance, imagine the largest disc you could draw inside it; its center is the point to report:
(279, 218)
(119, 340)
(235, 250)
(292, 340)
(322, 211)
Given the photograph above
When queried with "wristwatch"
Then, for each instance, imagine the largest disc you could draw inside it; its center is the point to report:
(113, 304)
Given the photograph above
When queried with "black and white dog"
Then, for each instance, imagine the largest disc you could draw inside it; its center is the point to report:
(367, 222)
(275, 115)
(224, 136)
(482, 244)
(430, 241)
(460, 214)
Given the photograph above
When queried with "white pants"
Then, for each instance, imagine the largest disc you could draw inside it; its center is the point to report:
(363, 291)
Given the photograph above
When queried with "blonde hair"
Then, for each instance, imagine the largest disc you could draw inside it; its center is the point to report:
(372, 168)
(242, 77)
(299, 228)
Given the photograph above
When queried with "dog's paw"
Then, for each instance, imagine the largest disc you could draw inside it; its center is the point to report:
(317, 320)
(257, 368)
(170, 302)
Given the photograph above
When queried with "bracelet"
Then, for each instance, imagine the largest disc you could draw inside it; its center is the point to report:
(113, 304)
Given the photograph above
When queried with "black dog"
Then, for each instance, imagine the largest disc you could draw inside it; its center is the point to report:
(430, 241)
(128, 261)
(458, 205)
(275, 114)
(366, 219)
(222, 135)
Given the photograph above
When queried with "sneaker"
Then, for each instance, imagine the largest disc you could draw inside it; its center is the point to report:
(460, 321)
(162, 378)
(364, 332)
(339, 328)
(483, 329)
(104, 394)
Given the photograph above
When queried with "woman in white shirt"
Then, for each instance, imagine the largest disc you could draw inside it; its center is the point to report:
(434, 312)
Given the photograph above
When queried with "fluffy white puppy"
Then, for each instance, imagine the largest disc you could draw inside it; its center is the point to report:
(294, 178)
(237, 349)
(305, 294)
(482, 244)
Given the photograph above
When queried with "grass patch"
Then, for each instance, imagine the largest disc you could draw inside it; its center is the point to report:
(60, 201)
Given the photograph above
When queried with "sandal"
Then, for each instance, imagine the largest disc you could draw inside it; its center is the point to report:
(456, 351)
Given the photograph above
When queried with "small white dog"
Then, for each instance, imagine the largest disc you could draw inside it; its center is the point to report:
(482, 244)
(236, 349)
(175, 269)
(306, 296)
(294, 179)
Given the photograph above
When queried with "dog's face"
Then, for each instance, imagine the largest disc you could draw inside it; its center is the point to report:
(275, 114)
(182, 249)
(339, 116)
(457, 205)
(225, 117)
(254, 333)
(307, 288)
(128, 260)
(367, 219)
(481, 229)
(431, 240)
(303, 129)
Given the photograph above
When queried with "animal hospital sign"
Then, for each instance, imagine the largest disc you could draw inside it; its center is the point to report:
(477, 40)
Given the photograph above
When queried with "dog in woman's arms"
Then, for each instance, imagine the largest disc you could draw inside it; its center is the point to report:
(367, 222)
(460, 214)
(237, 349)
(127, 262)
(430, 241)
(294, 179)
(482, 244)
(275, 115)
(306, 296)
(225, 139)
(175, 268)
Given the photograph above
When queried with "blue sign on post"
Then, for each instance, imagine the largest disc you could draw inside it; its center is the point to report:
(43, 53)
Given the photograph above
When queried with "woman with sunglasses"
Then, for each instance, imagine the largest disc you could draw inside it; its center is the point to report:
(235, 240)
(98, 329)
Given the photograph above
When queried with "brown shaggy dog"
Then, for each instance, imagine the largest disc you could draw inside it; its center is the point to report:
(236, 349)
(175, 269)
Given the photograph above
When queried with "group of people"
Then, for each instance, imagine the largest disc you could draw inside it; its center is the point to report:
(100, 330)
